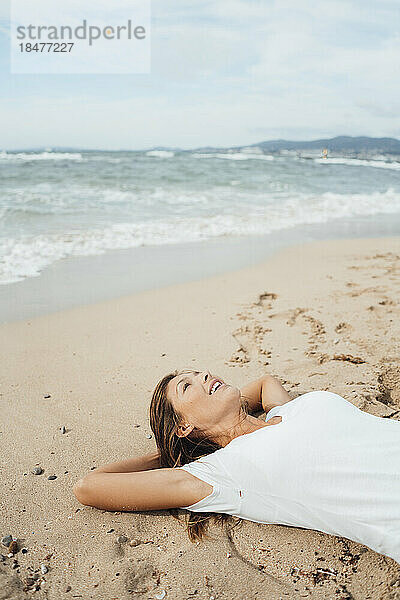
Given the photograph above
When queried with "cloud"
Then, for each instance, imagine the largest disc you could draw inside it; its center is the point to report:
(227, 73)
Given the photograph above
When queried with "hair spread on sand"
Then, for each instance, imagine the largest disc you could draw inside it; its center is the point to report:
(177, 451)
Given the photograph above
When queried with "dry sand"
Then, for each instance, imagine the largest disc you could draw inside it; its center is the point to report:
(319, 316)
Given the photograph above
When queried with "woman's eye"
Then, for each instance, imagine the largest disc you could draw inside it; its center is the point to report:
(184, 387)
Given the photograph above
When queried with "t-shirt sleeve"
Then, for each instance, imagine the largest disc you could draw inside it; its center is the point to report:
(224, 498)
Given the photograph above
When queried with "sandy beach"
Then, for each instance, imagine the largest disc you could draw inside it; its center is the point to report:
(320, 316)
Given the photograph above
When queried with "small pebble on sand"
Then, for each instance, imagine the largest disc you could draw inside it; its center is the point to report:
(51, 477)
(37, 470)
(47, 396)
(6, 541)
(149, 436)
(121, 539)
(63, 429)
(44, 569)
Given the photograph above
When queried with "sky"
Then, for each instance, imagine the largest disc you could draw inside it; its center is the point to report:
(223, 73)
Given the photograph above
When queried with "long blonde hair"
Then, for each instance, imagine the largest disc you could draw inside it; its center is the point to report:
(176, 451)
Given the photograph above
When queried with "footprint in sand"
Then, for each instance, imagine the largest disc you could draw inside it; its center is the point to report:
(293, 314)
(251, 336)
(389, 386)
(265, 299)
(316, 332)
(142, 577)
(342, 326)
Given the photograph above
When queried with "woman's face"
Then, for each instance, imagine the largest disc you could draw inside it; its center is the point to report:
(204, 401)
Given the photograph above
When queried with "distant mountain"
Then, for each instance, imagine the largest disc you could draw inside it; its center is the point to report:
(342, 144)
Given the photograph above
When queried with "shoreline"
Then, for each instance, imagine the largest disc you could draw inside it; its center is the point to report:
(301, 315)
(85, 280)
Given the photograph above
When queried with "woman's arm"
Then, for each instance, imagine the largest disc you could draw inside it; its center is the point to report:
(265, 393)
(147, 490)
(130, 465)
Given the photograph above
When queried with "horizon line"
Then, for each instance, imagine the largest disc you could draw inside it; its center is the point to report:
(177, 148)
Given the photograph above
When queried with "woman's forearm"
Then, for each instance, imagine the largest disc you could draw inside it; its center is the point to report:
(139, 463)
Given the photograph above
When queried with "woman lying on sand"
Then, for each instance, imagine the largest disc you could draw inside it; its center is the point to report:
(317, 462)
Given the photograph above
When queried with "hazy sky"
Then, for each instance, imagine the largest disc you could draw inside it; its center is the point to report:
(224, 72)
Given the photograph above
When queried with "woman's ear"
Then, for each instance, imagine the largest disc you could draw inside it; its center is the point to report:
(184, 429)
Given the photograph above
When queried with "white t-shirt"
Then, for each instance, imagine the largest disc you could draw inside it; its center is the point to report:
(327, 466)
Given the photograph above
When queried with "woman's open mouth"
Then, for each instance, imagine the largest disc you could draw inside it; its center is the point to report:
(215, 385)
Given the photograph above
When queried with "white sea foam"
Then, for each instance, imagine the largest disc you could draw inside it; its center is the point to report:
(40, 156)
(233, 155)
(160, 153)
(27, 256)
(360, 162)
(251, 150)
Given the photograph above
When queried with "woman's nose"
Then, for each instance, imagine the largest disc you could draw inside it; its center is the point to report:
(205, 376)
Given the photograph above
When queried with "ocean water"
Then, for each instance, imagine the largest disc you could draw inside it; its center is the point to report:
(55, 204)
